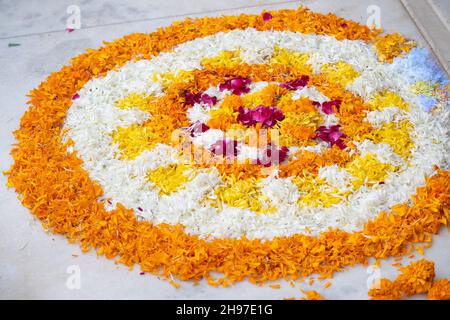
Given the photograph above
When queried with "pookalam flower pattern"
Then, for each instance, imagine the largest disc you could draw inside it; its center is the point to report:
(294, 218)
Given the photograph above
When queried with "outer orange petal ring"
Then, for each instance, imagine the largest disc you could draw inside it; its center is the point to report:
(58, 191)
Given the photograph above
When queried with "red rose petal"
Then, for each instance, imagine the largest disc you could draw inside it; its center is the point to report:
(335, 135)
(245, 117)
(192, 98)
(238, 85)
(332, 135)
(335, 127)
(295, 84)
(224, 86)
(327, 106)
(340, 143)
(261, 114)
(197, 128)
(199, 97)
(266, 16)
(225, 148)
(268, 116)
(207, 99)
(273, 156)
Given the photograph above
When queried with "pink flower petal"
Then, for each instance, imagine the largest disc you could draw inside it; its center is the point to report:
(192, 98)
(335, 136)
(224, 86)
(261, 114)
(268, 116)
(225, 148)
(273, 156)
(199, 97)
(330, 104)
(327, 106)
(323, 136)
(266, 16)
(335, 127)
(242, 90)
(197, 128)
(245, 116)
(340, 144)
(237, 85)
(207, 99)
(322, 129)
(332, 135)
(278, 115)
(296, 84)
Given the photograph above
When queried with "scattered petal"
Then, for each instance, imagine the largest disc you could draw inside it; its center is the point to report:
(327, 106)
(197, 128)
(267, 16)
(207, 99)
(332, 135)
(295, 84)
(225, 148)
(245, 116)
(193, 98)
(273, 156)
(238, 85)
(267, 116)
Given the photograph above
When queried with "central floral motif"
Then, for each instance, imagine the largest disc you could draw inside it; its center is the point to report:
(263, 115)
(249, 130)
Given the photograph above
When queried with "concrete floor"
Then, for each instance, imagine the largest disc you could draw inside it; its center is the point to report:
(37, 265)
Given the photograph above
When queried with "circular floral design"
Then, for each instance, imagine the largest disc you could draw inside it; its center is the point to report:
(260, 147)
